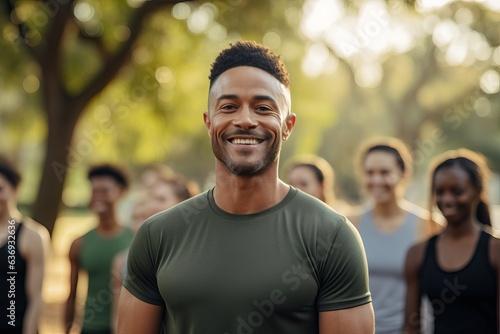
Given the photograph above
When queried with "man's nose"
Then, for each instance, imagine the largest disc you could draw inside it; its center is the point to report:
(245, 118)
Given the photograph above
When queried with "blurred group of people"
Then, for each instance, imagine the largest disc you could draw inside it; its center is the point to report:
(446, 255)
(429, 271)
(255, 254)
(101, 252)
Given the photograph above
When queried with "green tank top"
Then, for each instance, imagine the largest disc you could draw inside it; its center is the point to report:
(96, 258)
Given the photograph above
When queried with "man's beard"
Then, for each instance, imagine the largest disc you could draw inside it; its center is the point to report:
(245, 168)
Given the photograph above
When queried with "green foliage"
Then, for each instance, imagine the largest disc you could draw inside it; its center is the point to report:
(152, 111)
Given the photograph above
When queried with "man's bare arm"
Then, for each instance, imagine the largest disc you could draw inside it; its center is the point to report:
(356, 320)
(136, 316)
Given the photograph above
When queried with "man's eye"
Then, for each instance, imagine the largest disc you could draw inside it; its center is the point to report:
(263, 108)
(228, 107)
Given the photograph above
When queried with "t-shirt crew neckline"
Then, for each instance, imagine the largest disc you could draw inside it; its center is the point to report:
(247, 217)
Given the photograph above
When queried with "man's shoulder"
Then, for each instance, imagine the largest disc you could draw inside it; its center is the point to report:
(315, 213)
(301, 200)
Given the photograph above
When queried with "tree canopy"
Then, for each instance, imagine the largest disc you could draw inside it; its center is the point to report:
(84, 81)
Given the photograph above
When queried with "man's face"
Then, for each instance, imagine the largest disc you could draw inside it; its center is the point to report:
(105, 194)
(248, 118)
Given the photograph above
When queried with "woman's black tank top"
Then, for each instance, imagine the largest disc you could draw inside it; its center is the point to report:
(13, 299)
(465, 300)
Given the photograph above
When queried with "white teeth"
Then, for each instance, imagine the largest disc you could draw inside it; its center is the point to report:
(239, 141)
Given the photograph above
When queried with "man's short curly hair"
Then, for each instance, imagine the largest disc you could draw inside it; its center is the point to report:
(115, 172)
(248, 53)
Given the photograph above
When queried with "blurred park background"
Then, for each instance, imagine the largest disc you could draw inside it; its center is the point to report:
(87, 81)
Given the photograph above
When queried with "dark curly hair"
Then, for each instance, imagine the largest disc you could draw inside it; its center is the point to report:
(248, 53)
(115, 172)
(9, 172)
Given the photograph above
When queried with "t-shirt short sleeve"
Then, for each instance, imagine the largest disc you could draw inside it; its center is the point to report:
(141, 270)
(343, 271)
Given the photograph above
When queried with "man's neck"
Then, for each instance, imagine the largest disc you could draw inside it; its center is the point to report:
(245, 195)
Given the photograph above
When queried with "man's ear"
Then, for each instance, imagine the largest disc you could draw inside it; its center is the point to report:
(289, 124)
(208, 124)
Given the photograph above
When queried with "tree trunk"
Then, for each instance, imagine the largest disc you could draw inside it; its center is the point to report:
(63, 112)
(58, 160)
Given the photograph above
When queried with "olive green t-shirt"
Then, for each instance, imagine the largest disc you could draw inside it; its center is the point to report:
(268, 272)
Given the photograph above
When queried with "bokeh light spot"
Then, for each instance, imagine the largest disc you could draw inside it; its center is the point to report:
(490, 82)
(198, 21)
(84, 11)
(217, 32)
(369, 75)
(181, 11)
(164, 75)
(141, 55)
(272, 40)
(496, 56)
(122, 33)
(31, 84)
(482, 106)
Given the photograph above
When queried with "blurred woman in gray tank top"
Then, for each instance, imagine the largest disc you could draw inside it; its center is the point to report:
(388, 225)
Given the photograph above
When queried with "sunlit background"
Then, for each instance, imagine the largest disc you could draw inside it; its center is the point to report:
(357, 68)
(424, 71)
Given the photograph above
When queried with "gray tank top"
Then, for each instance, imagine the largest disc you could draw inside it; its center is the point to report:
(386, 254)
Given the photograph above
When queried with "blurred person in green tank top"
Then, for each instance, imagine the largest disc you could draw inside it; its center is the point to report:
(94, 251)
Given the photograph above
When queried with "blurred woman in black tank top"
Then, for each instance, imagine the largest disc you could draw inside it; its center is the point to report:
(459, 268)
(23, 249)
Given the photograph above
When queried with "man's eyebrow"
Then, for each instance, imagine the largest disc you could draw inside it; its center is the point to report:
(227, 97)
(264, 98)
(256, 97)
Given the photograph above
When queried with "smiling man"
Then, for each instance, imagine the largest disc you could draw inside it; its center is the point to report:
(251, 255)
